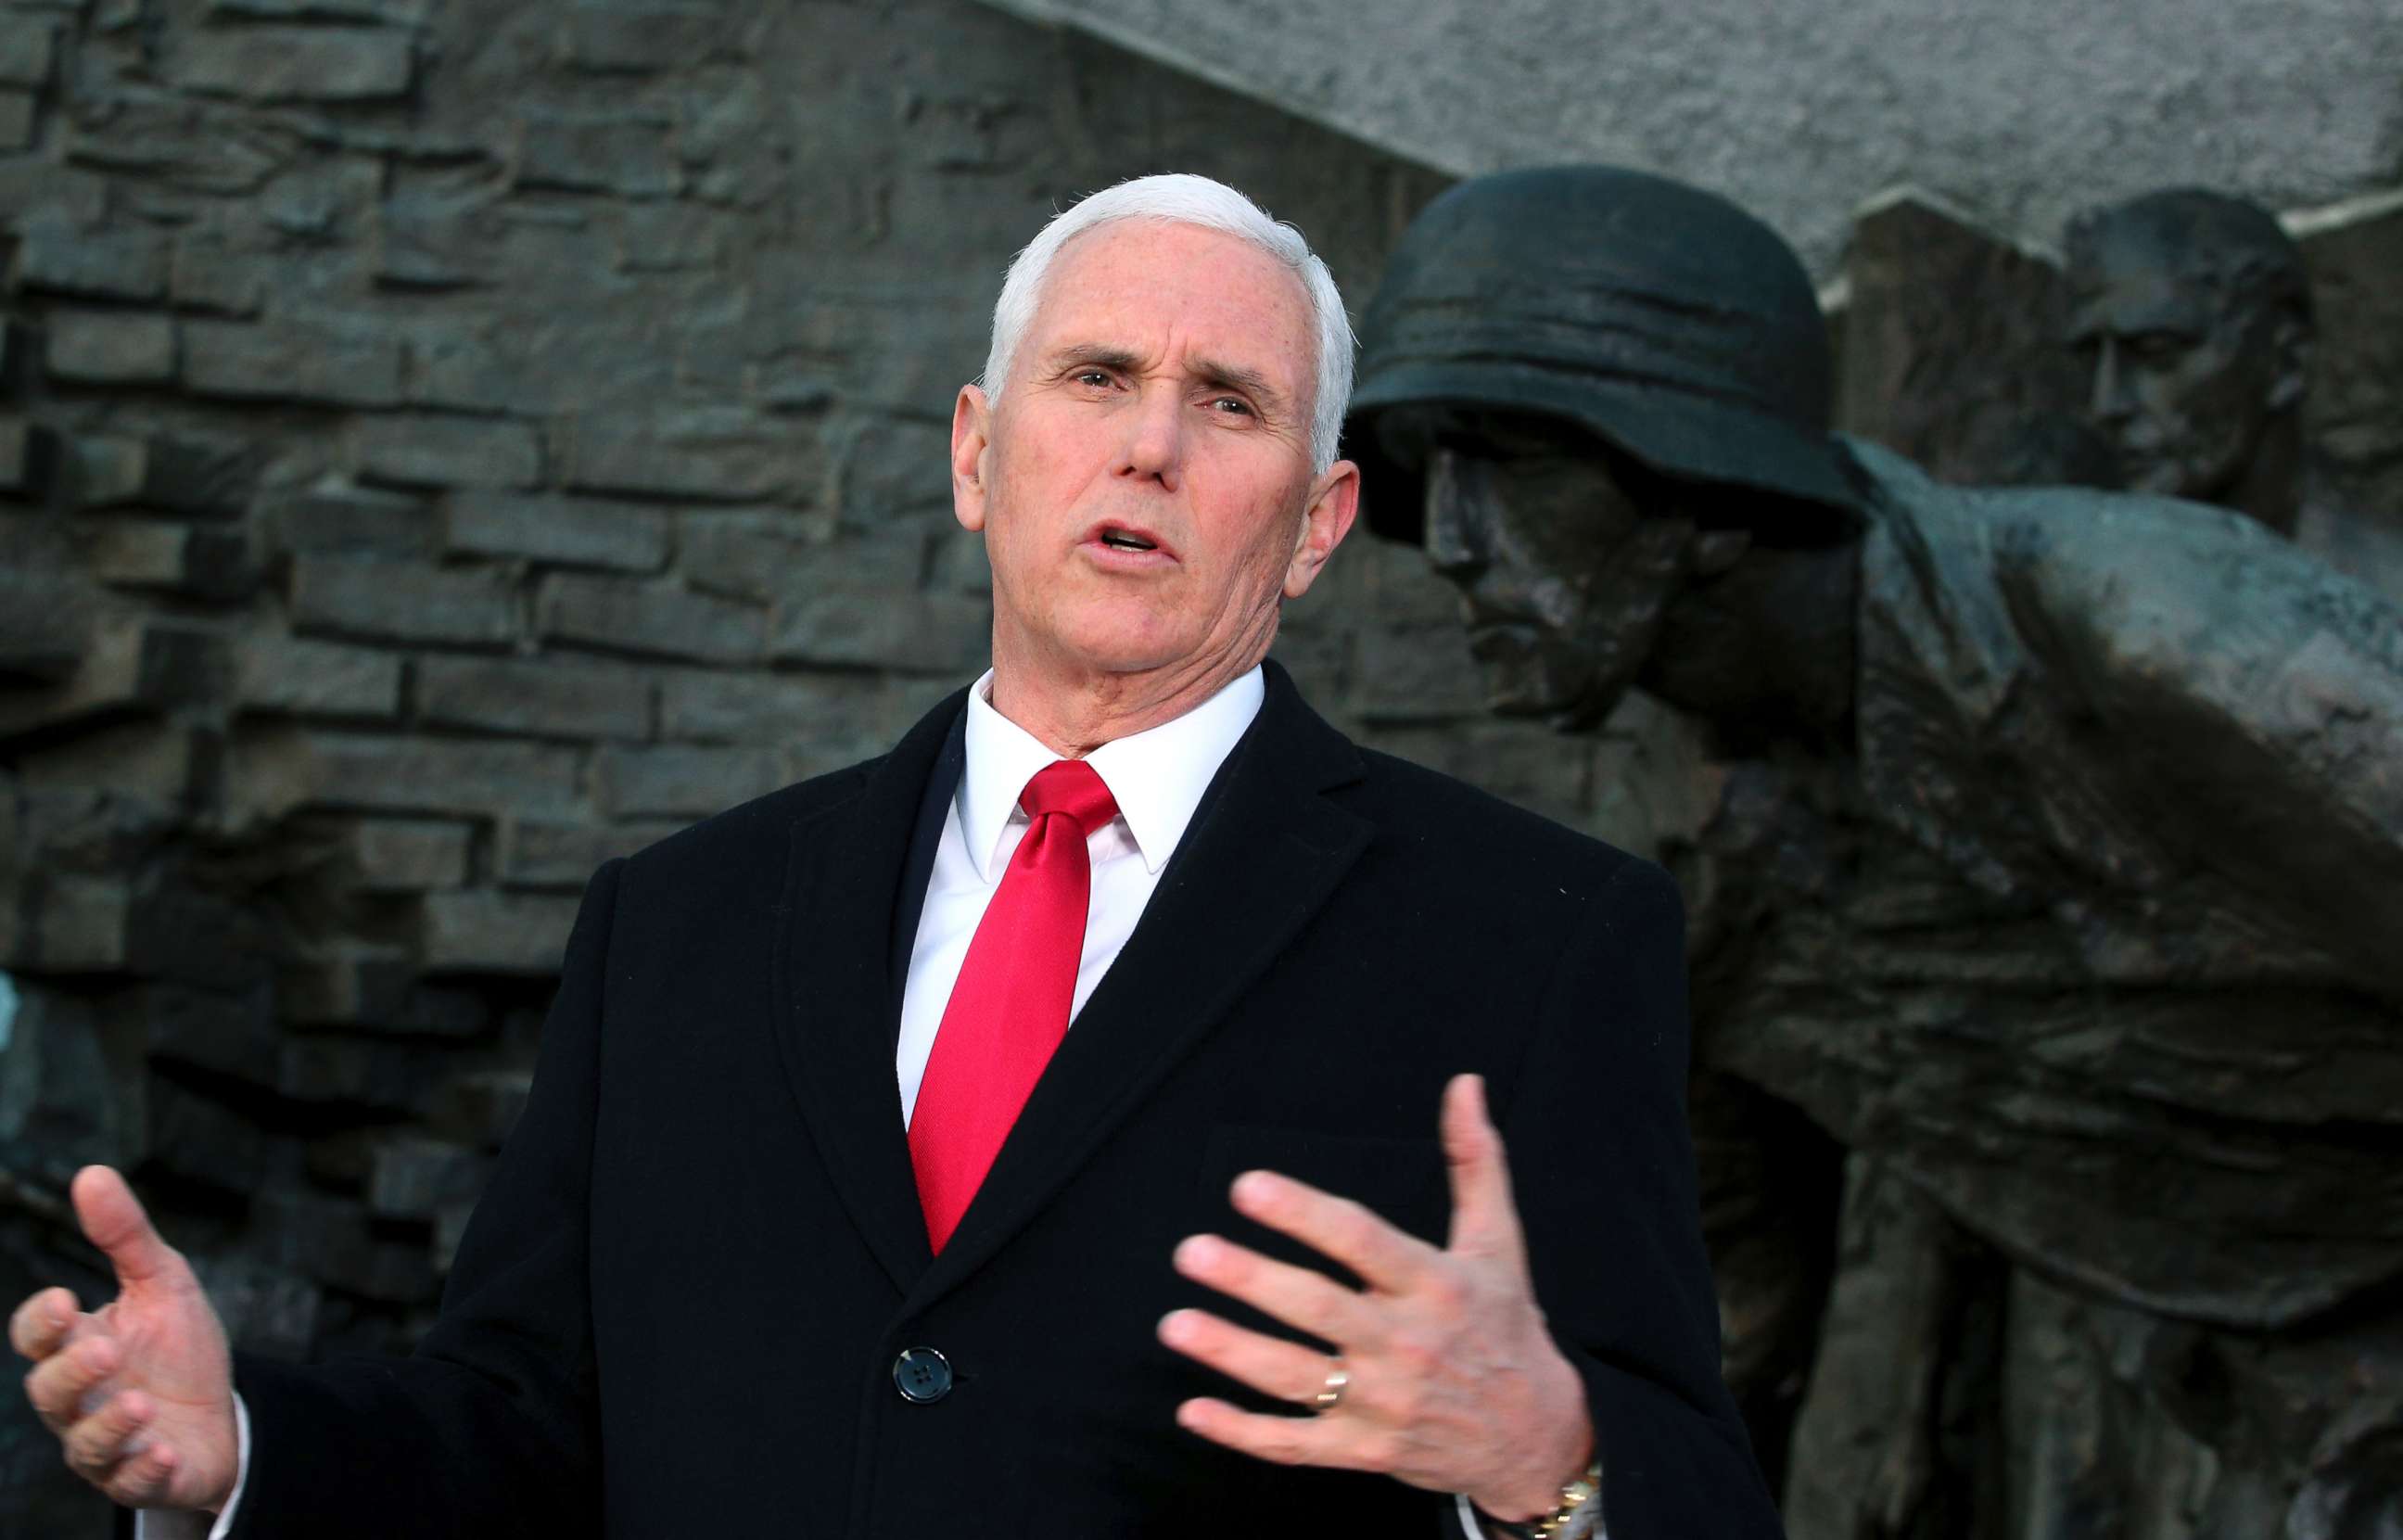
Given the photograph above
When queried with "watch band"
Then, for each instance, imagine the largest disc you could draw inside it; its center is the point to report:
(1578, 1516)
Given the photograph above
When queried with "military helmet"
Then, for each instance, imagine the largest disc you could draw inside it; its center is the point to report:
(1662, 318)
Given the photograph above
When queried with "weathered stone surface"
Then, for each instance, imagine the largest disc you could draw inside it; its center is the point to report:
(841, 710)
(275, 772)
(202, 1140)
(445, 451)
(25, 50)
(415, 1178)
(715, 453)
(914, 633)
(334, 517)
(332, 1239)
(774, 554)
(380, 993)
(19, 111)
(539, 854)
(83, 926)
(653, 618)
(29, 455)
(46, 618)
(480, 1109)
(205, 272)
(131, 665)
(206, 478)
(60, 1095)
(215, 564)
(399, 13)
(274, 672)
(671, 781)
(141, 760)
(639, 39)
(1417, 674)
(2350, 251)
(478, 931)
(279, 63)
(576, 532)
(402, 602)
(541, 699)
(56, 257)
(410, 854)
(111, 348)
(292, 361)
(627, 157)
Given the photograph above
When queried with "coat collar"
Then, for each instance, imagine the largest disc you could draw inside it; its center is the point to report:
(1263, 853)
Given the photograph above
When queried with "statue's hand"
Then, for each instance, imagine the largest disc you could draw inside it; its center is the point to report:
(140, 1390)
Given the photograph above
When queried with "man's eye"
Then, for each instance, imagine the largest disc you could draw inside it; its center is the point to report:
(1234, 406)
(1095, 378)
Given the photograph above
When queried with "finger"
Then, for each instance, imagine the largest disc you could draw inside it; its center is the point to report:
(113, 1220)
(1287, 1370)
(41, 1323)
(1304, 1299)
(142, 1479)
(1340, 1443)
(1484, 1216)
(97, 1442)
(1384, 1256)
(59, 1384)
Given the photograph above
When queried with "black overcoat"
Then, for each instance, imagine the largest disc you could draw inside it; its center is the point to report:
(678, 1309)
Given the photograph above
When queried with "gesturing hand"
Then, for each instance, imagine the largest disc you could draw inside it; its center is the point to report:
(1455, 1384)
(140, 1390)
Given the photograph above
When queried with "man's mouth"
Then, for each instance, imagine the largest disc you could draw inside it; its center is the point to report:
(1123, 540)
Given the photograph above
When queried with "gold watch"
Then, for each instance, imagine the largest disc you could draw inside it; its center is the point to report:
(1578, 1516)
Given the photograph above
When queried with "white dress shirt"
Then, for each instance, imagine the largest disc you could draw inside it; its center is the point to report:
(1156, 776)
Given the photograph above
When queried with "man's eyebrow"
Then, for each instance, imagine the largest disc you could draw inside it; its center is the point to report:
(1251, 381)
(1101, 353)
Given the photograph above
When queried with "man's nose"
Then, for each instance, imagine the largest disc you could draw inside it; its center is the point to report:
(1456, 545)
(1155, 438)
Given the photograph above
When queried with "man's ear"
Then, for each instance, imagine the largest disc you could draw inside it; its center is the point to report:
(971, 439)
(1326, 520)
(2290, 345)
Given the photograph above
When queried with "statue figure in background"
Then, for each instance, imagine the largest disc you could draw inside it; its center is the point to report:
(2191, 313)
(2055, 870)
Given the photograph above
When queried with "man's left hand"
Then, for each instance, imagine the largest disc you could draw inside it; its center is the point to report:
(1454, 1383)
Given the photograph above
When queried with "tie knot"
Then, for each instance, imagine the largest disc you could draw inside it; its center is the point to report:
(1071, 786)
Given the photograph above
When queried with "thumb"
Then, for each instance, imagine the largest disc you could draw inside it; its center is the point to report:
(113, 1220)
(1484, 1217)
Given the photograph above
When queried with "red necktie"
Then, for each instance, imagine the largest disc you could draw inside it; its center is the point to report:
(1009, 1008)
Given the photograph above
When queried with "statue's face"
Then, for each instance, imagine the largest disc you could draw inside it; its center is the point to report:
(2183, 384)
(1564, 575)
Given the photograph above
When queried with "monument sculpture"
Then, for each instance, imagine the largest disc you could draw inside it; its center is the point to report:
(2191, 313)
(2053, 874)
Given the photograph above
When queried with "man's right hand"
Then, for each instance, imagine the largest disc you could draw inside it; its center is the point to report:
(140, 1390)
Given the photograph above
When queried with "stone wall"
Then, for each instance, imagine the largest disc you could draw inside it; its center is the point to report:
(445, 444)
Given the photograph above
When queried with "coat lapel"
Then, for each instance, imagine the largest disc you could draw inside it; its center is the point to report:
(834, 992)
(1263, 854)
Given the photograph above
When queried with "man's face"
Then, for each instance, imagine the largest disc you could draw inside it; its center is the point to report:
(2182, 383)
(1143, 482)
(1564, 577)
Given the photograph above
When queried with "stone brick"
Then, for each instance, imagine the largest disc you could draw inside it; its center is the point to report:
(402, 602)
(132, 665)
(646, 39)
(409, 855)
(196, 560)
(141, 760)
(480, 1108)
(46, 618)
(399, 13)
(19, 111)
(483, 932)
(627, 157)
(767, 556)
(228, 1033)
(721, 455)
(25, 50)
(445, 451)
(334, 1242)
(82, 925)
(917, 633)
(158, 472)
(55, 256)
(111, 348)
(540, 853)
(784, 710)
(539, 699)
(414, 1178)
(364, 1072)
(205, 272)
(674, 782)
(379, 992)
(291, 361)
(278, 63)
(1417, 674)
(334, 517)
(652, 618)
(286, 674)
(270, 773)
(576, 532)
(202, 1140)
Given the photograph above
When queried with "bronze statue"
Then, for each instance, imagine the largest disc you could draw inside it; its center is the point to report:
(2191, 312)
(2057, 867)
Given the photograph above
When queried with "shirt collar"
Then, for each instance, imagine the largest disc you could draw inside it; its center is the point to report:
(1157, 776)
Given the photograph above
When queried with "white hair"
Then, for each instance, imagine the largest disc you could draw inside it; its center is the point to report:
(1180, 199)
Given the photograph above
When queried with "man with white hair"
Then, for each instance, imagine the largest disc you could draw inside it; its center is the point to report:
(1168, 981)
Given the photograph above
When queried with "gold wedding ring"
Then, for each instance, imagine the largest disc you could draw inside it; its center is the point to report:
(1330, 1394)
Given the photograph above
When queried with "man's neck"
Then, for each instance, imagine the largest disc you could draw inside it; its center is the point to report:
(1075, 711)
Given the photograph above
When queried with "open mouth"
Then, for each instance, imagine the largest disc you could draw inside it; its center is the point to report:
(1117, 540)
